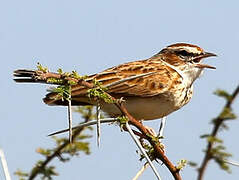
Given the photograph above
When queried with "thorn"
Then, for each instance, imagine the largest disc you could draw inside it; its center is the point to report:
(161, 128)
(142, 150)
(105, 120)
(98, 123)
(4, 165)
(70, 119)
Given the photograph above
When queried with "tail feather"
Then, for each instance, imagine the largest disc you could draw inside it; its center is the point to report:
(52, 98)
(26, 76)
(23, 73)
(25, 80)
(34, 76)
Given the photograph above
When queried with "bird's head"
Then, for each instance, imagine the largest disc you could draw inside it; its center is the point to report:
(182, 53)
(186, 59)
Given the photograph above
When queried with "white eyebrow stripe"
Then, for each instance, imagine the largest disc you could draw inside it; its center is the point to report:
(189, 49)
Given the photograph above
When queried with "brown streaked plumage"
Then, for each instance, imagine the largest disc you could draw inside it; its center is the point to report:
(168, 87)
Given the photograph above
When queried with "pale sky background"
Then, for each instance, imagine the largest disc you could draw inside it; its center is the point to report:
(89, 36)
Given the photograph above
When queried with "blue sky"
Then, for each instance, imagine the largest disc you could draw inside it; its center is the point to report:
(89, 36)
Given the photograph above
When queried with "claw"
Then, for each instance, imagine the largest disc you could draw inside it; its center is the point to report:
(151, 131)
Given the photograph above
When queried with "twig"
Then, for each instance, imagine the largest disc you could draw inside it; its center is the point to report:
(142, 150)
(140, 172)
(218, 122)
(57, 151)
(159, 153)
(4, 165)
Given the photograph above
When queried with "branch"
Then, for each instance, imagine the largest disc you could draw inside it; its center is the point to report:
(159, 153)
(218, 122)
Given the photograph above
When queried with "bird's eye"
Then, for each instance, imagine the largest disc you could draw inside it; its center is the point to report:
(183, 53)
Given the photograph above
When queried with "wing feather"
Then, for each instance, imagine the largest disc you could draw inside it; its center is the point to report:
(143, 86)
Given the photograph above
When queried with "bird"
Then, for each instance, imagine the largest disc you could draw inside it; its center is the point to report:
(153, 88)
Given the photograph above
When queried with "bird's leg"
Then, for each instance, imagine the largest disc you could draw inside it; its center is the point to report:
(151, 131)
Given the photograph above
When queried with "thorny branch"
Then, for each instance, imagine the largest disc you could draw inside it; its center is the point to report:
(159, 153)
(43, 76)
(218, 122)
(57, 152)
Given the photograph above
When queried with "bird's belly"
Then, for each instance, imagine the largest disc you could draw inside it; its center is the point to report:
(144, 108)
(150, 108)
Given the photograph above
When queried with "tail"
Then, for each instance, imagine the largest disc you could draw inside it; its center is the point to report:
(52, 98)
(34, 76)
(24, 76)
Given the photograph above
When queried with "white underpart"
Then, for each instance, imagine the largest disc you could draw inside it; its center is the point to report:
(191, 73)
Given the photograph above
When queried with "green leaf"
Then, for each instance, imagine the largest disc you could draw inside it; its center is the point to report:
(45, 152)
(86, 112)
(149, 150)
(222, 93)
(204, 136)
(76, 75)
(41, 68)
(227, 114)
(63, 92)
(21, 175)
(192, 164)
(214, 139)
(55, 81)
(74, 148)
(60, 71)
(100, 93)
(122, 120)
(46, 173)
(219, 154)
(222, 164)
(181, 164)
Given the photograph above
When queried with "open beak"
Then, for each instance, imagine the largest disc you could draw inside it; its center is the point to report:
(204, 66)
(200, 57)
